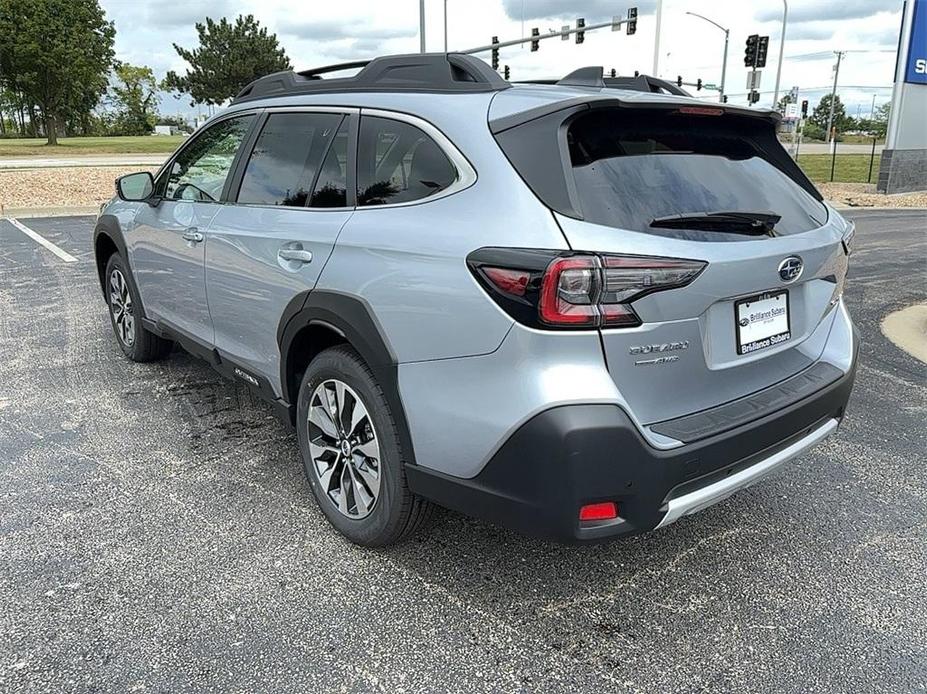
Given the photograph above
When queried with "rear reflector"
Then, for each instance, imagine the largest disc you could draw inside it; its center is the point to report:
(595, 512)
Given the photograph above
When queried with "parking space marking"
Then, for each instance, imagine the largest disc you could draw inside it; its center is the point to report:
(41, 240)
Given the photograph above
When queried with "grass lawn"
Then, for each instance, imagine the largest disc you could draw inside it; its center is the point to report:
(849, 168)
(67, 146)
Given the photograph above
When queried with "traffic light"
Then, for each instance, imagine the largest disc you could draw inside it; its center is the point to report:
(614, 73)
(724, 99)
(632, 21)
(580, 35)
(505, 73)
(754, 96)
(804, 108)
(679, 80)
(535, 43)
(698, 84)
(495, 53)
(762, 48)
(750, 51)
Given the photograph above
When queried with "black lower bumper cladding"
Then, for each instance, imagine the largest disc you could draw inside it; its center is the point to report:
(573, 455)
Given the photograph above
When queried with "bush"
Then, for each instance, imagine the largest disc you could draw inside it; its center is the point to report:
(813, 132)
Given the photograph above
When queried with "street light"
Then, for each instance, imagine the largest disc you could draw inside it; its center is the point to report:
(727, 36)
(785, 18)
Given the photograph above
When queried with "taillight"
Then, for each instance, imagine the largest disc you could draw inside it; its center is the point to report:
(576, 291)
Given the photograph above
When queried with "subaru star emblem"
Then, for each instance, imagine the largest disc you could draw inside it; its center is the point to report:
(791, 268)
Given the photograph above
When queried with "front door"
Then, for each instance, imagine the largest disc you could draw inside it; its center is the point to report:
(270, 242)
(169, 239)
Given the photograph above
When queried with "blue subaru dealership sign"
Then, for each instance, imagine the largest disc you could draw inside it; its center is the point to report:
(916, 71)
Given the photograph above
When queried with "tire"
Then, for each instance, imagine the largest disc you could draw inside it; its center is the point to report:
(367, 499)
(136, 342)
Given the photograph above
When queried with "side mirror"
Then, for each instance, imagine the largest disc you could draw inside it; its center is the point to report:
(135, 187)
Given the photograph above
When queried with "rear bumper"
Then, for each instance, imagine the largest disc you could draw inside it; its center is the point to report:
(574, 455)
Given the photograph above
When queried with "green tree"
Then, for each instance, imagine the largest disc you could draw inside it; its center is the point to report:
(822, 111)
(57, 54)
(879, 123)
(134, 98)
(228, 58)
(783, 102)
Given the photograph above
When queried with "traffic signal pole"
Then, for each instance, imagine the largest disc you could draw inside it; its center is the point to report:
(727, 36)
(615, 24)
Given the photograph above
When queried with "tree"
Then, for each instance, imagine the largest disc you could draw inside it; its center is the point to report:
(822, 111)
(783, 102)
(879, 122)
(57, 54)
(134, 97)
(228, 58)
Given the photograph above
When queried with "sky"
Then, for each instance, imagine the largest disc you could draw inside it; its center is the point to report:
(315, 33)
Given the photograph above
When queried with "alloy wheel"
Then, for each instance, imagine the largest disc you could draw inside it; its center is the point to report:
(120, 304)
(344, 449)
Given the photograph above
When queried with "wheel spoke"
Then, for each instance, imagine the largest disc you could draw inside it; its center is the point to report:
(340, 403)
(363, 500)
(369, 477)
(320, 416)
(325, 476)
(370, 449)
(345, 485)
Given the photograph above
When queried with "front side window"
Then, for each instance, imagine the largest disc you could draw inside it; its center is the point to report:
(397, 162)
(199, 171)
(287, 159)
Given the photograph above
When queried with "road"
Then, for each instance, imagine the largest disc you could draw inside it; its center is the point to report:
(82, 160)
(157, 534)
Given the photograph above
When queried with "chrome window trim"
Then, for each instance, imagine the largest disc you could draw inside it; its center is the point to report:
(466, 174)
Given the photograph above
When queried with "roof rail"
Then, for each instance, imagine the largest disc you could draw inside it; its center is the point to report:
(419, 72)
(592, 77)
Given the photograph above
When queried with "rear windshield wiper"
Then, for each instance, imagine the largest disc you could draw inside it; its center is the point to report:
(758, 223)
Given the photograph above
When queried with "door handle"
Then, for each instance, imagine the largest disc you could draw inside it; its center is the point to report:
(297, 255)
(193, 235)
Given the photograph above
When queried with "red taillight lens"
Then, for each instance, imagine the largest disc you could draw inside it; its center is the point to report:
(587, 290)
(509, 281)
(568, 292)
(596, 512)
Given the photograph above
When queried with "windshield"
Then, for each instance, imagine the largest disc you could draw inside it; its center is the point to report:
(631, 167)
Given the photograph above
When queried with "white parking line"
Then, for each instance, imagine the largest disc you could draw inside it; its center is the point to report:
(60, 252)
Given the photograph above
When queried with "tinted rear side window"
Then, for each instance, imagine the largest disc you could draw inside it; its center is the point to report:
(331, 184)
(287, 158)
(631, 166)
(397, 162)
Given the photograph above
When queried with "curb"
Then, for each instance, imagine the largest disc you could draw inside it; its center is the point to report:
(27, 212)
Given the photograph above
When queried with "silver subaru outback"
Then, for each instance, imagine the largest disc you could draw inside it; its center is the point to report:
(580, 309)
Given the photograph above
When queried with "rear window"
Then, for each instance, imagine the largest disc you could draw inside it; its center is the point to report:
(632, 166)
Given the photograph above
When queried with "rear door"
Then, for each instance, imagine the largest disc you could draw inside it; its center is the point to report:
(169, 241)
(760, 310)
(270, 243)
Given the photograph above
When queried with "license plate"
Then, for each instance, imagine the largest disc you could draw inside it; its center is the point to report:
(762, 321)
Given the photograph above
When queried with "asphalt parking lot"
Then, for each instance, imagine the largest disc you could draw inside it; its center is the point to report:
(157, 534)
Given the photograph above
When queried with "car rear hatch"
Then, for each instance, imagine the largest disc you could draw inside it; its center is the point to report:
(673, 179)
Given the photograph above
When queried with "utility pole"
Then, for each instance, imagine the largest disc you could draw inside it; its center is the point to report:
(785, 17)
(421, 26)
(833, 97)
(872, 109)
(656, 40)
(445, 26)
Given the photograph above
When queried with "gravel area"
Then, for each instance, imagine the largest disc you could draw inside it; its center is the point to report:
(91, 185)
(64, 187)
(865, 195)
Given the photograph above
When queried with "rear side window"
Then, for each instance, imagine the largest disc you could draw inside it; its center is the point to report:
(331, 184)
(397, 162)
(287, 159)
(631, 166)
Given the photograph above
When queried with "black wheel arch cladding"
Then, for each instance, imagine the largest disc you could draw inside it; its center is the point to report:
(353, 318)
